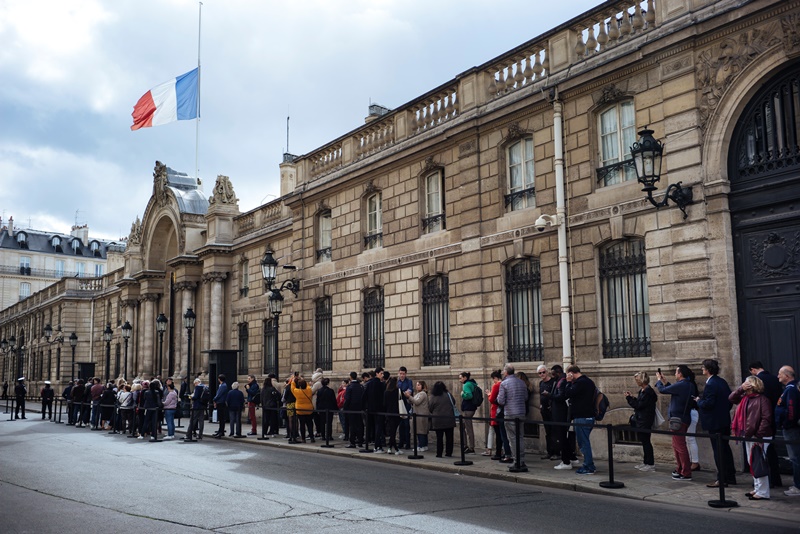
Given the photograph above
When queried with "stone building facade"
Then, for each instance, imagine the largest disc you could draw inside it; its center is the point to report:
(418, 238)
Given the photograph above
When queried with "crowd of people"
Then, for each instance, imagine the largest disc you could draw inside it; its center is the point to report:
(374, 410)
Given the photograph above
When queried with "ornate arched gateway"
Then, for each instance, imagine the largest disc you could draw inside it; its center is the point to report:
(764, 173)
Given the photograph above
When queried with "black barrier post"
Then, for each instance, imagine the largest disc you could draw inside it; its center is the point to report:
(721, 502)
(416, 455)
(326, 427)
(11, 413)
(463, 460)
(60, 407)
(6, 399)
(366, 434)
(611, 483)
(517, 467)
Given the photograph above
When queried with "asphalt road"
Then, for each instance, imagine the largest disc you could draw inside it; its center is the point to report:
(55, 478)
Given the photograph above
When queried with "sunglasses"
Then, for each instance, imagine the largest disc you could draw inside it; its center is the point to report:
(542, 372)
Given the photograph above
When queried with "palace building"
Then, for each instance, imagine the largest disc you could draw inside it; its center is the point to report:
(498, 217)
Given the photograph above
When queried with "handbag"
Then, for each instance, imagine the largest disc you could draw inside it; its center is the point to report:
(632, 420)
(676, 422)
(214, 418)
(759, 467)
(659, 419)
(401, 406)
(453, 404)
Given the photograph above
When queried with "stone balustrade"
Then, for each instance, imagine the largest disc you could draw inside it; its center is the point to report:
(613, 26)
(374, 138)
(259, 218)
(434, 110)
(326, 160)
(513, 73)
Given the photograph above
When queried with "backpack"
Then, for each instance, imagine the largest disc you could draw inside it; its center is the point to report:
(205, 396)
(477, 395)
(601, 404)
(340, 398)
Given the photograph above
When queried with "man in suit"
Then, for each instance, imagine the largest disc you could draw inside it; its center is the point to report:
(353, 405)
(715, 416)
(220, 406)
(773, 389)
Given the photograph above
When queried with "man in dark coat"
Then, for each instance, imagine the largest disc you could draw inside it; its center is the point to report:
(19, 392)
(326, 406)
(219, 405)
(47, 395)
(715, 416)
(373, 403)
(353, 406)
(773, 391)
(197, 417)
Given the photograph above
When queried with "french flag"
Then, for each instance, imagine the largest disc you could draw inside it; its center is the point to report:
(175, 100)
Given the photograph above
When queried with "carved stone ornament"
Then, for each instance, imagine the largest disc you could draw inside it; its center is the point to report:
(223, 192)
(774, 257)
(515, 132)
(160, 183)
(718, 66)
(135, 237)
(790, 24)
(429, 166)
(370, 188)
(610, 94)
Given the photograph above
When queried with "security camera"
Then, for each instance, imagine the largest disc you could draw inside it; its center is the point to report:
(544, 221)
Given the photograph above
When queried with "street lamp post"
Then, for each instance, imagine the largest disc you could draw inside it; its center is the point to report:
(647, 154)
(126, 335)
(161, 327)
(269, 267)
(73, 342)
(189, 319)
(107, 334)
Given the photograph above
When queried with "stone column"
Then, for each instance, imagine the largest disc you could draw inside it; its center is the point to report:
(204, 322)
(217, 309)
(148, 325)
(187, 301)
(129, 312)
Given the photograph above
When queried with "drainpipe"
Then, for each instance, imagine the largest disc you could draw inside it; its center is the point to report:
(561, 210)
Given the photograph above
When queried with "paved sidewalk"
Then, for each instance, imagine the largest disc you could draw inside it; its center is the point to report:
(656, 486)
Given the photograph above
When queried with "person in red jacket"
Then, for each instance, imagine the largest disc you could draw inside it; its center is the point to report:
(753, 419)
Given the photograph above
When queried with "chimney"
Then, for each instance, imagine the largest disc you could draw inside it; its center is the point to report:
(82, 233)
(376, 111)
(11, 226)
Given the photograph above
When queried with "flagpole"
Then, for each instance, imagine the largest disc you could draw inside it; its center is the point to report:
(199, 77)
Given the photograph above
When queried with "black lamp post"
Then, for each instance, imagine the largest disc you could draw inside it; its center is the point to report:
(647, 153)
(269, 267)
(189, 319)
(161, 327)
(126, 335)
(107, 334)
(73, 342)
(12, 345)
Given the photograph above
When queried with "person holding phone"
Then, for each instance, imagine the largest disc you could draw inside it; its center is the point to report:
(681, 392)
(644, 415)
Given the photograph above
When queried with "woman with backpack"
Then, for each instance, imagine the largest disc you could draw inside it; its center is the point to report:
(253, 400)
(152, 405)
(469, 405)
(443, 419)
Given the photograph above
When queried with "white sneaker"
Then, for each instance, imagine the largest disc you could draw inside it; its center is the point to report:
(398, 452)
(793, 491)
(341, 436)
(563, 466)
(378, 449)
(638, 466)
(647, 468)
(388, 451)
(576, 463)
(166, 438)
(140, 437)
(422, 449)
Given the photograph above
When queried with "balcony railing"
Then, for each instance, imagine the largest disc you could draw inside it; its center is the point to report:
(40, 273)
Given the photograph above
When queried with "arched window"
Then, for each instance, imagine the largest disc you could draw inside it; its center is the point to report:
(433, 218)
(324, 236)
(374, 340)
(269, 357)
(623, 299)
(617, 127)
(520, 174)
(244, 337)
(22, 240)
(436, 321)
(323, 322)
(524, 311)
(373, 237)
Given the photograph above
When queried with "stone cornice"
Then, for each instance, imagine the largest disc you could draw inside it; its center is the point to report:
(214, 276)
(149, 275)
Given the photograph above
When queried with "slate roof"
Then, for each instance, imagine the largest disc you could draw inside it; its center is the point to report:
(38, 241)
(187, 193)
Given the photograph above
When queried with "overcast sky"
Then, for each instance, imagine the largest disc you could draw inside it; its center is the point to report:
(71, 71)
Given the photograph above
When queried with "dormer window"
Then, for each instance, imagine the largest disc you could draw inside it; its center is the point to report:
(95, 247)
(56, 243)
(22, 240)
(76, 246)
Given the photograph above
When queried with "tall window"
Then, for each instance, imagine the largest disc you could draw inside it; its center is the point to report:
(24, 290)
(624, 303)
(374, 341)
(98, 270)
(268, 348)
(24, 265)
(521, 188)
(244, 286)
(323, 318)
(436, 321)
(244, 337)
(324, 236)
(524, 311)
(59, 268)
(617, 134)
(434, 218)
(80, 269)
(374, 237)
